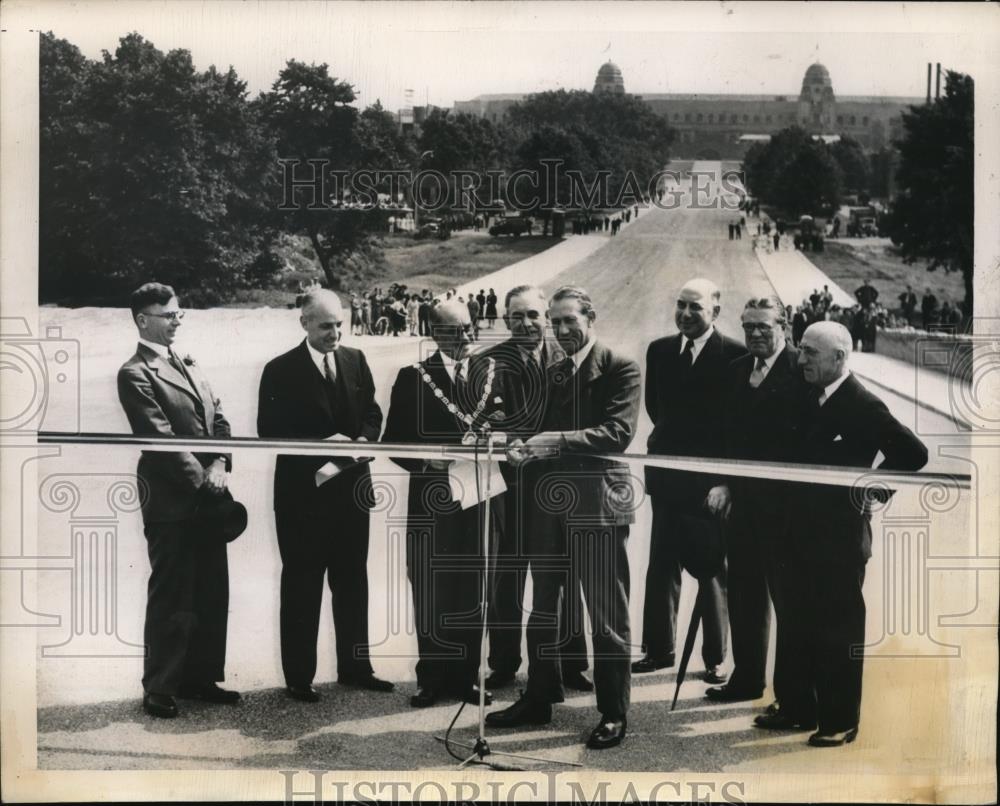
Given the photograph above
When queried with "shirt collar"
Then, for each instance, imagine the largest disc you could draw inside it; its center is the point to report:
(698, 343)
(450, 364)
(580, 355)
(318, 358)
(833, 387)
(770, 360)
(160, 349)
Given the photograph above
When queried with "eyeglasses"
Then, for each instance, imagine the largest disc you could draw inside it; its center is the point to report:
(173, 316)
(764, 329)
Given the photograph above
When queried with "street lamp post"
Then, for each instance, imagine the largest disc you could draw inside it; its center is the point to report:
(416, 206)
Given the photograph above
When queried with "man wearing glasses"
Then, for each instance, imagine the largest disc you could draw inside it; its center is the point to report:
(164, 395)
(766, 394)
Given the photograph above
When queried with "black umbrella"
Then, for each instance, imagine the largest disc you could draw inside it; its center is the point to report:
(703, 555)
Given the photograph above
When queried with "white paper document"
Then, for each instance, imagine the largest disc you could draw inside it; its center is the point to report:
(462, 478)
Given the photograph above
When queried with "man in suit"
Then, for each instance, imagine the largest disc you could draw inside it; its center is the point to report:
(848, 426)
(685, 399)
(584, 508)
(187, 604)
(521, 361)
(765, 394)
(321, 389)
(441, 400)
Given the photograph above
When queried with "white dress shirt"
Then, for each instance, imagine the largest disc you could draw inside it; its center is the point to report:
(833, 387)
(319, 359)
(450, 364)
(697, 344)
(580, 355)
(160, 349)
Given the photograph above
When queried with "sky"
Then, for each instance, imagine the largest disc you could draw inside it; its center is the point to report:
(454, 51)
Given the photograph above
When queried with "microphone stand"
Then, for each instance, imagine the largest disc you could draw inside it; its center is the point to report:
(480, 748)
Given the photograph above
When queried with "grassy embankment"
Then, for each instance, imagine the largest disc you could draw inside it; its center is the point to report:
(433, 264)
(848, 264)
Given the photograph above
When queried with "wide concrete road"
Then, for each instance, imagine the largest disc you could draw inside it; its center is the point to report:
(633, 281)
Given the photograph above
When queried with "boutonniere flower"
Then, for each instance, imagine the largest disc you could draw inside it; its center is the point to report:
(498, 400)
(188, 360)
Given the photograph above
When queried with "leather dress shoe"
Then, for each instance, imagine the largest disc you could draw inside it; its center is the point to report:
(470, 695)
(368, 681)
(526, 711)
(714, 674)
(424, 698)
(781, 721)
(651, 664)
(773, 708)
(608, 733)
(303, 693)
(499, 679)
(160, 705)
(727, 693)
(833, 739)
(578, 681)
(209, 692)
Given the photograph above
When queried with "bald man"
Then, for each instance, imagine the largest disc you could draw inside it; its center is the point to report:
(430, 403)
(848, 426)
(321, 389)
(686, 401)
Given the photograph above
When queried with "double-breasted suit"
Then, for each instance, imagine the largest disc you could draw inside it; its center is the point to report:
(188, 594)
(581, 524)
(444, 559)
(763, 424)
(687, 407)
(829, 550)
(322, 530)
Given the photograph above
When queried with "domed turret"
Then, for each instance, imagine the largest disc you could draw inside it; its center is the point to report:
(609, 79)
(816, 85)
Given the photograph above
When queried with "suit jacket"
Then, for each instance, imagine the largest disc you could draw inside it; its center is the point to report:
(417, 415)
(596, 411)
(688, 411)
(293, 404)
(161, 401)
(765, 425)
(849, 430)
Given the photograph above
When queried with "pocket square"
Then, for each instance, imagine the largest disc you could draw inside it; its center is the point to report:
(838, 438)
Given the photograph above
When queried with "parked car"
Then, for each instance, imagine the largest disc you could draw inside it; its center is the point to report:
(511, 226)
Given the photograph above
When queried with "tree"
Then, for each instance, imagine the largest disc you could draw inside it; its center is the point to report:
(854, 164)
(794, 172)
(152, 170)
(310, 116)
(933, 213)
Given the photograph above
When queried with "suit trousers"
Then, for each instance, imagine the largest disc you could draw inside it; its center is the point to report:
(327, 541)
(753, 569)
(566, 557)
(506, 611)
(663, 593)
(827, 609)
(445, 567)
(187, 606)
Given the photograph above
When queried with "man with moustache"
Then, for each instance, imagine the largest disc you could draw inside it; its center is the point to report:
(581, 528)
(520, 364)
(440, 400)
(321, 389)
(685, 399)
(845, 425)
(187, 607)
(765, 396)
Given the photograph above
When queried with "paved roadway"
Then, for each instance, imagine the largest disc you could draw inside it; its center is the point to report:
(90, 715)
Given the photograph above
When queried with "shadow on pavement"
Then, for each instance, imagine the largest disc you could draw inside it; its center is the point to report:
(353, 729)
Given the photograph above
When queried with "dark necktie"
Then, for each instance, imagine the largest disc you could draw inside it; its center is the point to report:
(330, 370)
(687, 356)
(461, 385)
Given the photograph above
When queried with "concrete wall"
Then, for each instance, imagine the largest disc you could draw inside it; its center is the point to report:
(945, 353)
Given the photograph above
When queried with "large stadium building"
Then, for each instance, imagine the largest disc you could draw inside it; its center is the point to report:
(712, 126)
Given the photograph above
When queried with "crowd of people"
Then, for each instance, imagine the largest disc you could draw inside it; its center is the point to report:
(397, 310)
(564, 401)
(868, 315)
